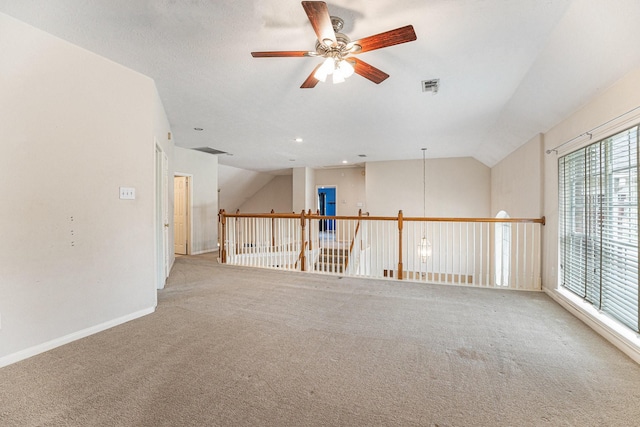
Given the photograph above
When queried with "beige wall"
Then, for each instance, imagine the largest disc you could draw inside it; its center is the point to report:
(516, 182)
(203, 169)
(238, 185)
(304, 196)
(278, 193)
(275, 195)
(74, 259)
(455, 187)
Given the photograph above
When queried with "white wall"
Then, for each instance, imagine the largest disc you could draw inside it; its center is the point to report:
(455, 187)
(350, 188)
(74, 127)
(276, 195)
(517, 181)
(203, 168)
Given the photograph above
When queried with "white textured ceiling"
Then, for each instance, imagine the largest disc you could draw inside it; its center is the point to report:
(508, 70)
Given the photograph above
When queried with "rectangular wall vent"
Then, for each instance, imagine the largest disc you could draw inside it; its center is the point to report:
(209, 150)
(431, 85)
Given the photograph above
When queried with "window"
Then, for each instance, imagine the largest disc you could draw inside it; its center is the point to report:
(598, 190)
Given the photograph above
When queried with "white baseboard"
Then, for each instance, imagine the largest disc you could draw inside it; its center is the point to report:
(206, 251)
(620, 336)
(49, 345)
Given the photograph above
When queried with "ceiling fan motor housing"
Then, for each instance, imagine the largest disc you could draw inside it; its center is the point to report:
(339, 51)
(338, 23)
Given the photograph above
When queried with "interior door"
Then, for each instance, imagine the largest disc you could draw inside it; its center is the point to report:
(181, 214)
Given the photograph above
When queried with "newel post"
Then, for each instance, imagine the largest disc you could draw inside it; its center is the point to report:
(310, 240)
(223, 238)
(273, 234)
(303, 224)
(400, 225)
(236, 233)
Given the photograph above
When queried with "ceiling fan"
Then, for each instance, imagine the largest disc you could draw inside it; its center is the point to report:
(338, 49)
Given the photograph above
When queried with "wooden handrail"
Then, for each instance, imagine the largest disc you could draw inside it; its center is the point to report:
(541, 220)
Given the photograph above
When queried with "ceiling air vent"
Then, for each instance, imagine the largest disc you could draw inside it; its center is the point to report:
(209, 150)
(431, 85)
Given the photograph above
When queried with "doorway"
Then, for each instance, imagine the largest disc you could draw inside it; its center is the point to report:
(181, 214)
(327, 207)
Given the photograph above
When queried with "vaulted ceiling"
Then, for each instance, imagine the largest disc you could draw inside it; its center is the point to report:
(508, 69)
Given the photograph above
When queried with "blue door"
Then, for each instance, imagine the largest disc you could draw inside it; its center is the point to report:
(327, 206)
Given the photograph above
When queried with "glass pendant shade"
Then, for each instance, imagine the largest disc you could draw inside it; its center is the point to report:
(346, 68)
(338, 77)
(325, 69)
(340, 69)
(425, 249)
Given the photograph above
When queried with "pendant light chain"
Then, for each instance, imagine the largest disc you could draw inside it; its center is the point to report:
(424, 184)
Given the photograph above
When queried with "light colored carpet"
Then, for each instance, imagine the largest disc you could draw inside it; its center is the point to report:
(233, 346)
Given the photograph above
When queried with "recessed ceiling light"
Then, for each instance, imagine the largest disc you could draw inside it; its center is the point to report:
(345, 161)
(299, 140)
(198, 129)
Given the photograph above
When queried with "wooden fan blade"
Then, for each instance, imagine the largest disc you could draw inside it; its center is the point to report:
(368, 71)
(388, 38)
(318, 15)
(311, 81)
(282, 53)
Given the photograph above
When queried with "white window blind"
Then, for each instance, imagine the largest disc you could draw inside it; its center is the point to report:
(598, 190)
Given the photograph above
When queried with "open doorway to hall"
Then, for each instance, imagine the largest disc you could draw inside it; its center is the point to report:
(327, 207)
(181, 214)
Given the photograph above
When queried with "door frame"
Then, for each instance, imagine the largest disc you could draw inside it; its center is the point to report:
(335, 188)
(189, 208)
(162, 224)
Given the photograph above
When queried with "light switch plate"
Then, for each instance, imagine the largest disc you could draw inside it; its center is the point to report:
(127, 193)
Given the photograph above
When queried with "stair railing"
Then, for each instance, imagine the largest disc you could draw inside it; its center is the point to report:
(356, 235)
(488, 252)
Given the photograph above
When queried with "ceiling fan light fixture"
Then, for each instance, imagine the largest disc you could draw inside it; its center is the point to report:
(327, 67)
(335, 46)
(338, 76)
(346, 68)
